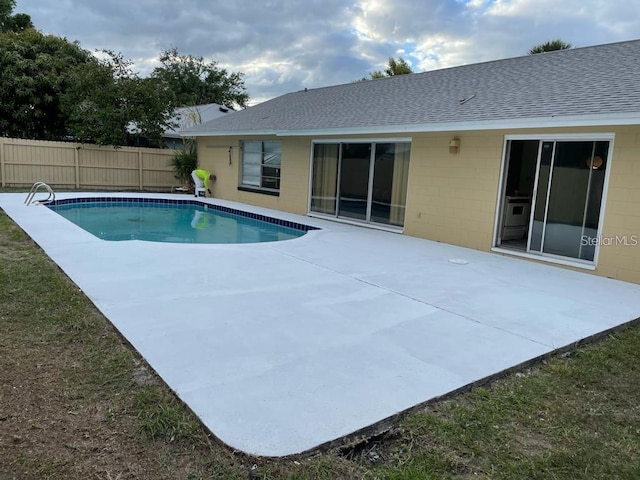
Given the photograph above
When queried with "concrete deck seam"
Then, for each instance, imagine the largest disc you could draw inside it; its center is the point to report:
(410, 297)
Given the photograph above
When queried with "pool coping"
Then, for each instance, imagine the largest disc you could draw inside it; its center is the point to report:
(173, 201)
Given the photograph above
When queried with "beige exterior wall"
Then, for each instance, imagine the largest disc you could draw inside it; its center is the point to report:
(452, 197)
(622, 209)
(213, 155)
(74, 165)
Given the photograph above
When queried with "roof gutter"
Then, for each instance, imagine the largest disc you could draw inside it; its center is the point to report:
(554, 121)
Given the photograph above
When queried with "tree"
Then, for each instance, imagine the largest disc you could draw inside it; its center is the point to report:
(107, 103)
(394, 67)
(52, 89)
(35, 74)
(194, 81)
(12, 23)
(549, 46)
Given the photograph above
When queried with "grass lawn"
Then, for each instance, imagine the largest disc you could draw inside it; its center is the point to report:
(77, 402)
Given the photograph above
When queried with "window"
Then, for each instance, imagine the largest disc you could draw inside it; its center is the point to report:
(261, 164)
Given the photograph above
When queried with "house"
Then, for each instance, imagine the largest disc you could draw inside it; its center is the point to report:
(536, 156)
(182, 118)
(186, 117)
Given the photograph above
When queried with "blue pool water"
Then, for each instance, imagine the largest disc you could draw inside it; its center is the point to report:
(154, 220)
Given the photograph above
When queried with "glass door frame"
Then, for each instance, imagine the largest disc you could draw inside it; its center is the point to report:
(547, 194)
(341, 142)
(554, 138)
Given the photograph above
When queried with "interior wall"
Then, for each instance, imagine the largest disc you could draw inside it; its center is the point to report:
(569, 201)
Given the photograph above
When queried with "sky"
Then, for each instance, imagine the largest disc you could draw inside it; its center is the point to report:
(284, 46)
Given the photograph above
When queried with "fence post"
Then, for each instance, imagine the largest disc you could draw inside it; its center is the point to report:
(76, 159)
(140, 169)
(4, 183)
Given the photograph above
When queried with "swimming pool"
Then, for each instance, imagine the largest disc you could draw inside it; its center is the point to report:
(173, 221)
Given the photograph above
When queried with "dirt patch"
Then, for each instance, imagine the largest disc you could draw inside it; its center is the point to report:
(51, 429)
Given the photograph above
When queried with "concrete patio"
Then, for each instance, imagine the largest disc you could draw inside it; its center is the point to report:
(282, 347)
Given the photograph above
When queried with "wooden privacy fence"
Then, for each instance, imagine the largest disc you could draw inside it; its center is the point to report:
(81, 166)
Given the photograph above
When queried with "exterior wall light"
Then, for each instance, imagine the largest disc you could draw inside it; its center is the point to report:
(454, 146)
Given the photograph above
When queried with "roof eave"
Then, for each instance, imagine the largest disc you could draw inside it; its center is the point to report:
(554, 121)
(227, 133)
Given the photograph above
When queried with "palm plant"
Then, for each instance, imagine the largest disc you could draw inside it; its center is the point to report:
(549, 46)
(184, 162)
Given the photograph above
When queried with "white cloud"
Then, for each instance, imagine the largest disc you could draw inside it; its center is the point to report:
(476, 3)
(540, 8)
(439, 51)
(287, 45)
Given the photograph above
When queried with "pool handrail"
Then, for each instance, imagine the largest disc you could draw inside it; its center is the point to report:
(34, 189)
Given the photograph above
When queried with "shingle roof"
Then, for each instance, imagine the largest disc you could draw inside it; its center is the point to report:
(600, 81)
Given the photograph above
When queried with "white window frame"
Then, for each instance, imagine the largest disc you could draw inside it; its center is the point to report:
(258, 188)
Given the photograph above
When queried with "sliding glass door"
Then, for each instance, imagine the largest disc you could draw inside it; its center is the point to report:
(361, 181)
(565, 196)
